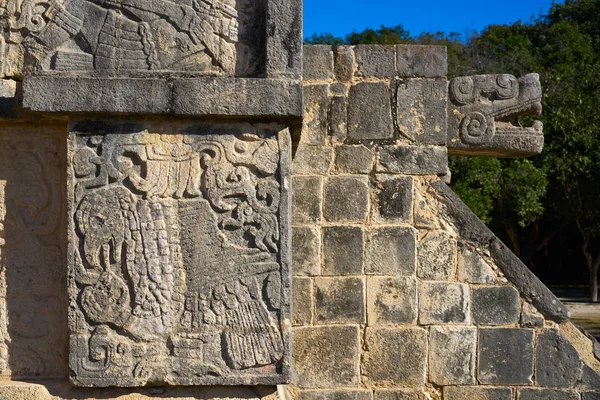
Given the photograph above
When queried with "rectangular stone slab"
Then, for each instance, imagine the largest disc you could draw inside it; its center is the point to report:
(179, 261)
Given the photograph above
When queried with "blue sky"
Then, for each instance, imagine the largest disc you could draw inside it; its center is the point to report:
(340, 17)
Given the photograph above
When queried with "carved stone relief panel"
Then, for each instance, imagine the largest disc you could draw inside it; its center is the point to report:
(178, 260)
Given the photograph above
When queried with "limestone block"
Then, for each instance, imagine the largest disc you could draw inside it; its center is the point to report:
(338, 121)
(178, 253)
(326, 356)
(318, 62)
(315, 121)
(307, 199)
(452, 353)
(395, 356)
(476, 393)
(344, 63)
(412, 160)
(421, 110)
(530, 317)
(8, 96)
(343, 250)
(375, 61)
(302, 301)
(557, 363)
(353, 159)
(436, 256)
(391, 251)
(306, 250)
(505, 356)
(426, 61)
(546, 394)
(346, 198)
(392, 198)
(339, 300)
(312, 160)
(391, 300)
(472, 268)
(590, 379)
(343, 394)
(399, 394)
(443, 303)
(369, 112)
(495, 305)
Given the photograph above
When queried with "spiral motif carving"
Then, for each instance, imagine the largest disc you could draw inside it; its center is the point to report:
(462, 90)
(474, 129)
(508, 86)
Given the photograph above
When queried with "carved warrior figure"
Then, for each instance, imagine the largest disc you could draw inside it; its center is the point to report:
(483, 115)
(124, 35)
(177, 257)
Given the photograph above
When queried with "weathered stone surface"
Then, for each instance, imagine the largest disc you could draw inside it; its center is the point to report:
(342, 394)
(181, 273)
(443, 303)
(484, 127)
(391, 251)
(318, 62)
(369, 112)
(307, 199)
(476, 393)
(436, 256)
(8, 98)
(530, 317)
(346, 198)
(414, 160)
(338, 118)
(452, 353)
(426, 61)
(557, 363)
(306, 251)
(353, 159)
(395, 356)
(392, 198)
(546, 394)
(302, 301)
(472, 267)
(339, 300)
(314, 122)
(375, 61)
(399, 394)
(590, 396)
(391, 300)
(421, 110)
(495, 305)
(505, 356)
(312, 160)
(343, 250)
(590, 379)
(344, 63)
(326, 356)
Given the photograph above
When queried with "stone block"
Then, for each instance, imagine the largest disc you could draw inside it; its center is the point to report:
(338, 119)
(369, 112)
(353, 159)
(315, 121)
(530, 317)
(495, 305)
(452, 353)
(306, 251)
(8, 97)
(375, 61)
(505, 356)
(590, 379)
(302, 301)
(443, 303)
(395, 356)
(344, 63)
(346, 198)
(436, 254)
(391, 251)
(546, 394)
(307, 199)
(412, 160)
(318, 62)
(421, 110)
(557, 363)
(391, 300)
(399, 394)
(343, 250)
(476, 393)
(340, 394)
(392, 199)
(426, 61)
(339, 300)
(472, 267)
(312, 160)
(326, 356)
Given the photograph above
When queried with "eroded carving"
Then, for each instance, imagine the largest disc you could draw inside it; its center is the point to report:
(176, 271)
(484, 111)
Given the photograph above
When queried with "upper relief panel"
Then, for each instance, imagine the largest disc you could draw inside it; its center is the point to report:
(134, 37)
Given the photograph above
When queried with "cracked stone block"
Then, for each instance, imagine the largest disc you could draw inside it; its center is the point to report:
(316, 160)
(426, 61)
(339, 300)
(344, 63)
(391, 251)
(557, 363)
(392, 199)
(391, 300)
(443, 303)
(436, 255)
(395, 356)
(495, 305)
(476, 393)
(353, 159)
(307, 198)
(302, 301)
(399, 394)
(531, 317)
(343, 394)
(346, 198)
(472, 268)
(343, 250)
(546, 394)
(326, 356)
(306, 250)
(452, 353)
(375, 61)
(412, 160)
(316, 102)
(318, 62)
(505, 356)
(369, 112)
